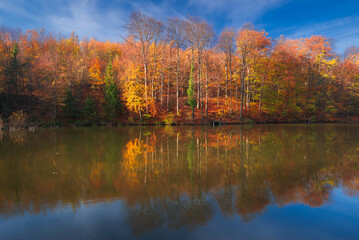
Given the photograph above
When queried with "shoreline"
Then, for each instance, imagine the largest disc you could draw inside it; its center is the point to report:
(32, 128)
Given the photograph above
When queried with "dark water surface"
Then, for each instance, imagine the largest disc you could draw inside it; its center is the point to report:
(229, 182)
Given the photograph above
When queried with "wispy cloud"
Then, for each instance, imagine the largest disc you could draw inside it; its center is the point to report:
(103, 20)
(344, 31)
(161, 10)
(19, 8)
(85, 19)
(236, 12)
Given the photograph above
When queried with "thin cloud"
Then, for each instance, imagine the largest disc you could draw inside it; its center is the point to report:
(344, 31)
(104, 20)
(236, 11)
(19, 8)
(85, 19)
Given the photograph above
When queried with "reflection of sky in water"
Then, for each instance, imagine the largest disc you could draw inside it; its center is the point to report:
(232, 182)
(339, 219)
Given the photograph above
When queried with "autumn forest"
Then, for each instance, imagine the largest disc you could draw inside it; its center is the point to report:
(175, 71)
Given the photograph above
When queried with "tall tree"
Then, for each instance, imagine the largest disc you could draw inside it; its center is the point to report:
(249, 43)
(69, 108)
(226, 43)
(111, 93)
(143, 29)
(191, 93)
(177, 35)
(200, 35)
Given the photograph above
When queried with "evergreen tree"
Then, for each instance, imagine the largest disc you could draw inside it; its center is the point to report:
(90, 112)
(12, 73)
(14, 68)
(70, 107)
(190, 92)
(111, 94)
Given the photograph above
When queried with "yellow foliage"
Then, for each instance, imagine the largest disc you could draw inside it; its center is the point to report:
(134, 96)
(131, 163)
(330, 63)
(18, 120)
(95, 71)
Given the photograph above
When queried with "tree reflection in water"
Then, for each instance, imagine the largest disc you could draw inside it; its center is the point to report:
(175, 177)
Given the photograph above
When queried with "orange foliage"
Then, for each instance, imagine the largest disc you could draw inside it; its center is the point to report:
(277, 80)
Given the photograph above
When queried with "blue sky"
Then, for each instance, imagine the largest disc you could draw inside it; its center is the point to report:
(104, 20)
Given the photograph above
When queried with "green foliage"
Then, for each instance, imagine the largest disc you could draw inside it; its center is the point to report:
(190, 91)
(13, 71)
(79, 123)
(14, 51)
(51, 124)
(111, 94)
(14, 59)
(147, 116)
(248, 121)
(330, 109)
(169, 119)
(90, 115)
(311, 108)
(70, 107)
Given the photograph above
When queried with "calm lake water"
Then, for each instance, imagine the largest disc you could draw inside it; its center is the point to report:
(229, 182)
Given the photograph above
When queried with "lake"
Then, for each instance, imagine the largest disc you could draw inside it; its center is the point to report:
(185, 182)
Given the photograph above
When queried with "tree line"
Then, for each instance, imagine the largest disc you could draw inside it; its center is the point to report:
(176, 71)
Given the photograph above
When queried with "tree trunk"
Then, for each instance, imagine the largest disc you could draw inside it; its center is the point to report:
(177, 84)
(226, 80)
(247, 91)
(226, 89)
(218, 92)
(199, 89)
(260, 96)
(242, 88)
(206, 91)
(161, 93)
(154, 72)
(55, 99)
(237, 96)
(140, 113)
(168, 96)
(230, 81)
(146, 99)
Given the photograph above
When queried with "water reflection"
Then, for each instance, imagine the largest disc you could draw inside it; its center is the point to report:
(176, 177)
